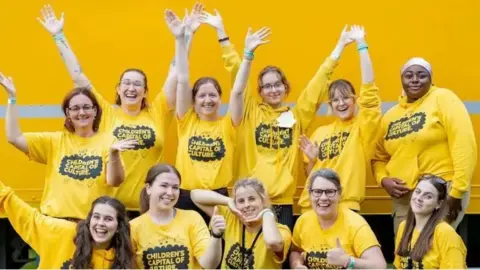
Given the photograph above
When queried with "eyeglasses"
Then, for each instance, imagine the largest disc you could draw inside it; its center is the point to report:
(86, 108)
(317, 193)
(278, 86)
(134, 83)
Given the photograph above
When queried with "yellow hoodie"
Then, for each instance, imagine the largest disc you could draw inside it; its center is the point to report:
(51, 238)
(433, 135)
(347, 147)
(266, 150)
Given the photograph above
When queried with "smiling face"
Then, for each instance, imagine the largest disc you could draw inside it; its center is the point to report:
(207, 99)
(324, 197)
(103, 224)
(248, 201)
(132, 88)
(164, 191)
(425, 199)
(81, 112)
(416, 81)
(272, 89)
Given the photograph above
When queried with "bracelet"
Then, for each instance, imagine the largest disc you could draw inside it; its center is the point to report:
(268, 211)
(248, 54)
(59, 36)
(12, 100)
(362, 47)
(351, 263)
(216, 235)
(223, 39)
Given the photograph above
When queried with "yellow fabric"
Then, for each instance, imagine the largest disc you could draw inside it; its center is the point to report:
(149, 127)
(263, 258)
(350, 228)
(51, 238)
(447, 250)
(347, 147)
(177, 245)
(205, 152)
(431, 135)
(267, 151)
(75, 170)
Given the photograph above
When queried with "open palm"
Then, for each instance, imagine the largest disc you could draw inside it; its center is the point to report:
(252, 41)
(192, 20)
(7, 83)
(50, 21)
(176, 26)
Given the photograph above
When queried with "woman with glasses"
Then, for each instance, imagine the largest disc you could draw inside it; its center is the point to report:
(206, 141)
(331, 235)
(347, 144)
(424, 240)
(131, 116)
(429, 131)
(82, 164)
(268, 137)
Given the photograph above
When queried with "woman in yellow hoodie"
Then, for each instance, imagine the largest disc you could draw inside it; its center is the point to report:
(101, 241)
(347, 144)
(424, 240)
(429, 131)
(267, 142)
(206, 141)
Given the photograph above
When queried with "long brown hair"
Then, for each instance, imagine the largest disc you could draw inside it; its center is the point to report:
(121, 241)
(150, 179)
(280, 73)
(424, 241)
(66, 104)
(118, 101)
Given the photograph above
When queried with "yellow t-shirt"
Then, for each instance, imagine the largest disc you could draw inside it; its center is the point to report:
(205, 152)
(447, 251)
(177, 245)
(268, 149)
(433, 135)
(347, 147)
(75, 170)
(261, 257)
(149, 128)
(51, 238)
(350, 228)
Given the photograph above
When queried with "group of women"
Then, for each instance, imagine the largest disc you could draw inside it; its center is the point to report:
(106, 165)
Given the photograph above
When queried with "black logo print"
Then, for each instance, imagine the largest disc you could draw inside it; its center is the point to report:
(234, 258)
(408, 263)
(406, 125)
(281, 136)
(201, 148)
(81, 167)
(143, 134)
(67, 264)
(318, 260)
(166, 257)
(329, 148)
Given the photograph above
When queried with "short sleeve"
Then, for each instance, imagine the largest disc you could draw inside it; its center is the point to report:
(364, 239)
(199, 235)
(40, 145)
(287, 239)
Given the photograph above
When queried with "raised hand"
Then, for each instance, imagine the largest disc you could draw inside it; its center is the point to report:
(7, 83)
(308, 148)
(191, 20)
(50, 21)
(176, 26)
(213, 20)
(337, 256)
(259, 216)
(123, 145)
(345, 38)
(252, 41)
(357, 33)
(234, 210)
(217, 222)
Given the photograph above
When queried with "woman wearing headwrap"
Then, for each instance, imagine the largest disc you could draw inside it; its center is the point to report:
(429, 131)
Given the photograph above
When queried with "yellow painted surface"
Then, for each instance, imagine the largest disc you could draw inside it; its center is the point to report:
(110, 36)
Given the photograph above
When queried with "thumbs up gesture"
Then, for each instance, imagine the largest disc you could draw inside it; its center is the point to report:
(217, 222)
(337, 256)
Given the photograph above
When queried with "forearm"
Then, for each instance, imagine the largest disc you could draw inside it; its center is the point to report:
(71, 61)
(365, 62)
(12, 126)
(271, 235)
(213, 255)
(222, 35)
(115, 170)
(184, 94)
(208, 197)
(238, 92)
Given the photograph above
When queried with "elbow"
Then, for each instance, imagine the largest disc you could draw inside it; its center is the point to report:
(182, 79)
(11, 140)
(194, 195)
(381, 264)
(275, 245)
(115, 181)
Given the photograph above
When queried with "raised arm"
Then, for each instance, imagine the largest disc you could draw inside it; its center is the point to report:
(207, 200)
(237, 97)
(36, 229)
(316, 91)
(213, 255)
(12, 127)
(310, 150)
(55, 27)
(115, 169)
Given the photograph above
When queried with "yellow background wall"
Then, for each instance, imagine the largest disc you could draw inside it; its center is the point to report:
(110, 36)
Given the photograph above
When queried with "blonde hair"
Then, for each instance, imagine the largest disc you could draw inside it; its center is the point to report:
(256, 185)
